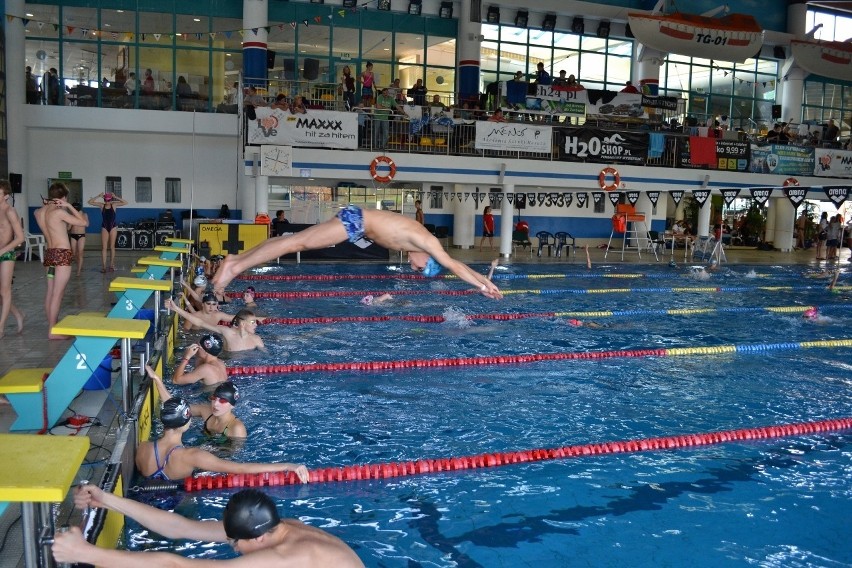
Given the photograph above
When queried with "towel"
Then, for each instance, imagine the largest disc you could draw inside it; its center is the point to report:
(702, 151)
(656, 144)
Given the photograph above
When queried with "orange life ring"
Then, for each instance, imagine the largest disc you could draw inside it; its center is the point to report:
(602, 179)
(375, 164)
(791, 181)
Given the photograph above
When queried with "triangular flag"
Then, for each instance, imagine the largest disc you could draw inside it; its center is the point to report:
(85, 31)
(114, 35)
(305, 22)
(70, 30)
(25, 21)
(212, 35)
(157, 37)
(254, 31)
(267, 29)
(56, 27)
(143, 37)
(318, 19)
(9, 18)
(40, 25)
(228, 35)
(293, 25)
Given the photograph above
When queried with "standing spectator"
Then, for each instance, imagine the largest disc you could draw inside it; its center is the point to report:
(184, 93)
(52, 88)
(32, 87)
(835, 226)
(109, 226)
(418, 212)
(367, 83)
(148, 83)
(394, 89)
(561, 81)
(418, 93)
(347, 88)
(224, 212)
(130, 85)
(11, 235)
(487, 228)
(542, 77)
(822, 235)
(385, 105)
(630, 88)
(831, 133)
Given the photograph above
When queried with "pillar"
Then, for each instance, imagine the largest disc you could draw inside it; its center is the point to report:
(467, 55)
(785, 219)
(649, 73)
(255, 20)
(507, 221)
(16, 134)
(703, 229)
(261, 197)
(769, 228)
(464, 218)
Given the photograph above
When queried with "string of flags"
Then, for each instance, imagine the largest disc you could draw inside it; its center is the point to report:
(335, 12)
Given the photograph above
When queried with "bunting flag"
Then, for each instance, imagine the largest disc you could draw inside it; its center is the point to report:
(84, 31)
(212, 35)
(597, 196)
(677, 195)
(293, 25)
(499, 198)
(305, 22)
(796, 194)
(700, 195)
(467, 196)
(531, 199)
(446, 195)
(510, 197)
(25, 21)
(341, 13)
(541, 197)
(728, 196)
(318, 19)
(614, 197)
(70, 30)
(582, 199)
(476, 198)
(632, 197)
(157, 37)
(761, 194)
(459, 196)
(40, 25)
(569, 197)
(560, 199)
(254, 31)
(836, 193)
(654, 197)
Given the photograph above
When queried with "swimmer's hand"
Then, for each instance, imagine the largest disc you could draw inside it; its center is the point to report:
(300, 470)
(152, 373)
(69, 547)
(489, 290)
(88, 496)
(190, 351)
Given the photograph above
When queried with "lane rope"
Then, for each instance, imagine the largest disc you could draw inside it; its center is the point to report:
(496, 459)
(333, 277)
(530, 358)
(519, 316)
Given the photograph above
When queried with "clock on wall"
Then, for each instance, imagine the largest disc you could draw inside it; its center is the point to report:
(275, 160)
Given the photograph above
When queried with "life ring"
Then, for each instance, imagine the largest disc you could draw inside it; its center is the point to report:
(602, 179)
(791, 181)
(382, 160)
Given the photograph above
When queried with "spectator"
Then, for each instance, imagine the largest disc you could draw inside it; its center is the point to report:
(385, 106)
(251, 101)
(298, 106)
(630, 88)
(130, 85)
(418, 93)
(436, 102)
(831, 133)
(183, 92)
(280, 103)
(148, 83)
(224, 212)
(561, 81)
(32, 87)
(231, 94)
(418, 212)
(394, 89)
(542, 77)
(52, 88)
(368, 80)
(279, 224)
(497, 116)
(347, 88)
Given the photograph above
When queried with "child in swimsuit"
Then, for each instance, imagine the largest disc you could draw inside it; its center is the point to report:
(220, 423)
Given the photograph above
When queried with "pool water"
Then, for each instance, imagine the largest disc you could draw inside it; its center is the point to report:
(779, 502)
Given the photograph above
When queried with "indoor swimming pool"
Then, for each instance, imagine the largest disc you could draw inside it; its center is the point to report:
(664, 352)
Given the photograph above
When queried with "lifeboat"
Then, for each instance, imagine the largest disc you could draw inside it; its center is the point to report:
(735, 37)
(831, 59)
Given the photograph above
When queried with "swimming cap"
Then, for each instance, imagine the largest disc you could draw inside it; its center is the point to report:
(811, 313)
(432, 268)
(672, 264)
(212, 344)
(175, 413)
(367, 300)
(227, 391)
(199, 270)
(208, 297)
(200, 280)
(249, 514)
(107, 197)
(249, 290)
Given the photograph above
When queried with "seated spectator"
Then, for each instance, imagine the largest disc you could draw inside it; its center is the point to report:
(436, 102)
(279, 224)
(497, 116)
(562, 80)
(280, 103)
(298, 106)
(776, 135)
(630, 88)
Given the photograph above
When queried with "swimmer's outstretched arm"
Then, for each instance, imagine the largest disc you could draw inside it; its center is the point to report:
(324, 235)
(494, 264)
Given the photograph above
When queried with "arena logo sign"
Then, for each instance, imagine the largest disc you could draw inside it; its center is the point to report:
(761, 194)
(796, 195)
(836, 193)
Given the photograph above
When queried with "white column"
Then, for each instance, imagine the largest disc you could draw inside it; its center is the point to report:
(464, 218)
(507, 221)
(771, 212)
(261, 197)
(16, 134)
(703, 229)
(649, 74)
(785, 219)
(467, 54)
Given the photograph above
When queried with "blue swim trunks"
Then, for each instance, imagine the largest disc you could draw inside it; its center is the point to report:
(353, 221)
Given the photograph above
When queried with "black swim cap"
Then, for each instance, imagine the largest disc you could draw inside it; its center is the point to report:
(209, 297)
(212, 344)
(249, 514)
(175, 413)
(227, 391)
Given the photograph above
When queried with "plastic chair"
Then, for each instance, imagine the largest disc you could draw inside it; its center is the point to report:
(562, 239)
(521, 239)
(656, 241)
(545, 239)
(34, 241)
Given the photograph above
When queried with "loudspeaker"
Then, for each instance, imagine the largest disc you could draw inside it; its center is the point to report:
(627, 31)
(289, 72)
(779, 53)
(520, 201)
(311, 71)
(270, 59)
(776, 111)
(17, 182)
(124, 238)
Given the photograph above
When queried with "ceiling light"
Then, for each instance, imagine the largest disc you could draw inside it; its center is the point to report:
(30, 16)
(196, 19)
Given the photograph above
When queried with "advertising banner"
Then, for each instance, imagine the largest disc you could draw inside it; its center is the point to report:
(513, 137)
(317, 128)
(832, 162)
(782, 159)
(593, 144)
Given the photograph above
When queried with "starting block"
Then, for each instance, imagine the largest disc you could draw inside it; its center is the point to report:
(25, 390)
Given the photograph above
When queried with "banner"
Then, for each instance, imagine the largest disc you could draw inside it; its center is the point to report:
(578, 101)
(782, 159)
(317, 128)
(728, 196)
(796, 195)
(731, 156)
(836, 193)
(761, 194)
(625, 147)
(832, 162)
(700, 195)
(513, 137)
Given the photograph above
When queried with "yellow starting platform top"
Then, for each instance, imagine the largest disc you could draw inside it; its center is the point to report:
(39, 469)
(23, 380)
(179, 250)
(138, 269)
(88, 326)
(180, 241)
(156, 261)
(123, 283)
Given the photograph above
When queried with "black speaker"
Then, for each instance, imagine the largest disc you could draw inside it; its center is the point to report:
(520, 201)
(289, 73)
(776, 111)
(779, 52)
(311, 71)
(17, 182)
(270, 59)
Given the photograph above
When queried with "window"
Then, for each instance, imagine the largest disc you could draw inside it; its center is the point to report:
(143, 190)
(436, 197)
(172, 190)
(113, 186)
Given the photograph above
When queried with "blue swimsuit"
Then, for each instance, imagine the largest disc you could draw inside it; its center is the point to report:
(161, 473)
(353, 221)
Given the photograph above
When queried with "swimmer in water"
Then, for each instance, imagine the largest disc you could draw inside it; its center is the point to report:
(811, 313)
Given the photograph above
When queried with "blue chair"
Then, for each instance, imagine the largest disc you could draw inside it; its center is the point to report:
(564, 238)
(545, 239)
